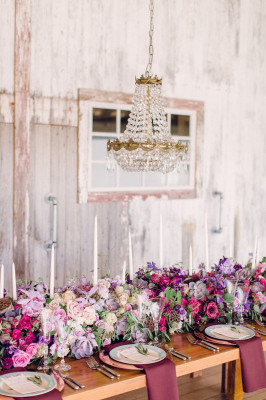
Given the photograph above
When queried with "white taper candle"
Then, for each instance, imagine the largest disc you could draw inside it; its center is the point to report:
(14, 283)
(95, 254)
(258, 252)
(130, 256)
(52, 272)
(190, 271)
(207, 261)
(254, 253)
(161, 241)
(123, 277)
(2, 281)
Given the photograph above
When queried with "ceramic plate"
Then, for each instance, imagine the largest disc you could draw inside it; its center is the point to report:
(104, 357)
(47, 385)
(116, 354)
(209, 331)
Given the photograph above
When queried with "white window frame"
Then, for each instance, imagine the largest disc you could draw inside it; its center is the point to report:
(89, 99)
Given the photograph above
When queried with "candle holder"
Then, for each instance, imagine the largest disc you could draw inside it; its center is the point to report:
(44, 316)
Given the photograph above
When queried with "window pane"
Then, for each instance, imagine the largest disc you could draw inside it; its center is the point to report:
(128, 179)
(154, 179)
(189, 148)
(124, 118)
(101, 177)
(99, 147)
(104, 120)
(180, 125)
(179, 178)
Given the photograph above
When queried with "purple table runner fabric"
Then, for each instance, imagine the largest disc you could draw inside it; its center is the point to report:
(53, 395)
(161, 377)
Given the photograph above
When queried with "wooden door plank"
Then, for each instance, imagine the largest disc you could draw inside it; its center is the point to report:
(22, 136)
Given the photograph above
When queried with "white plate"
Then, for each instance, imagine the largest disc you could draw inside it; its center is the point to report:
(116, 355)
(209, 331)
(47, 385)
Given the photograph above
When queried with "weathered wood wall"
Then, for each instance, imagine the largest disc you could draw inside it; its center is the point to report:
(212, 50)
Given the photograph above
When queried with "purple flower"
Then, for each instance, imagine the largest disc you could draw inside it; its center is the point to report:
(121, 326)
(7, 363)
(140, 337)
(83, 347)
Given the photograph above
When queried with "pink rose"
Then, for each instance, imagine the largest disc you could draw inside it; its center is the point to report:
(263, 282)
(28, 311)
(74, 310)
(155, 278)
(21, 359)
(59, 313)
(16, 334)
(32, 349)
(164, 280)
(194, 306)
(24, 322)
(212, 310)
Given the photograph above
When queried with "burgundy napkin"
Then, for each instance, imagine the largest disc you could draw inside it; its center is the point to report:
(53, 395)
(252, 364)
(160, 377)
(252, 360)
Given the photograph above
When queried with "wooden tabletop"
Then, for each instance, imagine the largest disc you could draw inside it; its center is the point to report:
(97, 386)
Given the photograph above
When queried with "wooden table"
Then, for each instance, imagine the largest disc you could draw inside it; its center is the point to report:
(97, 386)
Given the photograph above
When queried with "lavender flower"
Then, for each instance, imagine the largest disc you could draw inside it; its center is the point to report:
(83, 347)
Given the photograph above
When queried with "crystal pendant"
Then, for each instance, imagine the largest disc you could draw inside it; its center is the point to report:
(147, 144)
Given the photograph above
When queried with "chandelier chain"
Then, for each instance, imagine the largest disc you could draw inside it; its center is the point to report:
(149, 66)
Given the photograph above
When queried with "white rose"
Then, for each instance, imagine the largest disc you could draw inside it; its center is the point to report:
(71, 339)
(103, 282)
(68, 296)
(111, 318)
(123, 299)
(89, 315)
(119, 290)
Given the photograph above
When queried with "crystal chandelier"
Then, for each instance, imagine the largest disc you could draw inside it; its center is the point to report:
(147, 144)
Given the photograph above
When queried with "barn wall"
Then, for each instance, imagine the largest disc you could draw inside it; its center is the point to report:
(213, 51)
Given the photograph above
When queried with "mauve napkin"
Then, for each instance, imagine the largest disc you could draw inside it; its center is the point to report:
(252, 360)
(53, 395)
(160, 377)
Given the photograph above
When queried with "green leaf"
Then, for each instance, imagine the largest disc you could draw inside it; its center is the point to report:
(229, 298)
(178, 297)
(256, 308)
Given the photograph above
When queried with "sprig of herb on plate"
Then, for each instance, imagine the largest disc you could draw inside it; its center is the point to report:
(235, 329)
(35, 379)
(141, 349)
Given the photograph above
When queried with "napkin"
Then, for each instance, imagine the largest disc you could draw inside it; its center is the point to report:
(160, 377)
(53, 395)
(230, 333)
(21, 384)
(252, 364)
(132, 354)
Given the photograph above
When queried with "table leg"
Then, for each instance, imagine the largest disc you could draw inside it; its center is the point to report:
(232, 380)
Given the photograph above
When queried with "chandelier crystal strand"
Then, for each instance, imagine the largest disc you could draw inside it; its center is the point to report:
(147, 144)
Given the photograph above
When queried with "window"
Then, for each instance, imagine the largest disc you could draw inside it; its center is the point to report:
(103, 116)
